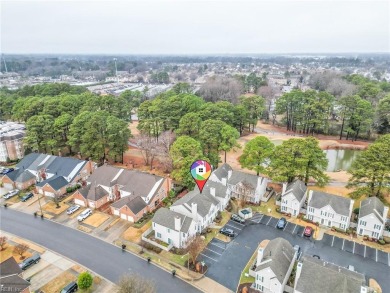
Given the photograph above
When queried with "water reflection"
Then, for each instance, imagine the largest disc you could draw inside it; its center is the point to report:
(340, 159)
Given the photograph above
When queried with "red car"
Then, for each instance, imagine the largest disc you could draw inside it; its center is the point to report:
(308, 231)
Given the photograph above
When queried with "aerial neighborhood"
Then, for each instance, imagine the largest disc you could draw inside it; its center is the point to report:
(229, 174)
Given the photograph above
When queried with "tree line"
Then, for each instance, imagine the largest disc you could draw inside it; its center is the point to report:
(72, 119)
(353, 112)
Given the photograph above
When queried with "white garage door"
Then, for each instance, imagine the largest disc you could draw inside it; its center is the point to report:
(130, 218)
(51, 194)
(79, 202)
(116, 212)
(123, 216)
(8, 186)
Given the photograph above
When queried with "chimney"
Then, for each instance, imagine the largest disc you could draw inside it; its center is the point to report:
(298, 273)
(284, 187)
(224, 181)
(385, 211)
(260, 253)
(194, 210)
(177, 223)
(212, 191)
(309, 199)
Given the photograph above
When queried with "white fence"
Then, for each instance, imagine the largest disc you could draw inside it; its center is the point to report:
(147, 232)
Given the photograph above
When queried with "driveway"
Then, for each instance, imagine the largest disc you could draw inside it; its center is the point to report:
(226, 267)
(95, 254)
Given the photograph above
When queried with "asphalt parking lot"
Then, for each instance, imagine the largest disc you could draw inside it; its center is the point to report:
(227, 260)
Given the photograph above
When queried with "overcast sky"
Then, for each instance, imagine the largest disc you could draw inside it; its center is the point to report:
(194, 27)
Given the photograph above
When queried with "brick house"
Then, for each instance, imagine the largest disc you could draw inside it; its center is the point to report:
(51, 174)
(132, 193)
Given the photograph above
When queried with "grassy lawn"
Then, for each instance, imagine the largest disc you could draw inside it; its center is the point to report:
(59, 282)
(8, 252)
(14, 199)
(249, 279)
(96, 219)
(51, 207)
(134, 234)
(179, 259)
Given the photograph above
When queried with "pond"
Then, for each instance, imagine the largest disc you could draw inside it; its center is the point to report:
(340, 159)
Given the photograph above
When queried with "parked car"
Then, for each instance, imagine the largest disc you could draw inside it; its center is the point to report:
(72, 209)
(7, 170)
(227, 232)
(70, 288)
(237, 218)
(30, 261)
(297, 248)
(281, 223)
(85, 214)
(27, 196)
(308, 231)
(11, 193)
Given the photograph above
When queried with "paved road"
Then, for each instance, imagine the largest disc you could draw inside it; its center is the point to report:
(227, 263)
(95, 254)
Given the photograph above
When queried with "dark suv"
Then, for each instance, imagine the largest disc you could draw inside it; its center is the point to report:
(30, 261)
(237, 218)
(70, 288)
(281, 223)
(227, 232)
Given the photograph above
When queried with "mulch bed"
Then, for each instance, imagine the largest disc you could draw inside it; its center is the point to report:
(248, 285)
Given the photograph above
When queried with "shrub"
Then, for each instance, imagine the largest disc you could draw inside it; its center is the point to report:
(278, 210)
(84, 280)
(149, 246)
(356, 211)
(381, 242)
(386, 239)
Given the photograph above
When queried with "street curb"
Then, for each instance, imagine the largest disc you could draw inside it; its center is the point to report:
(65, 257)
(140, 257)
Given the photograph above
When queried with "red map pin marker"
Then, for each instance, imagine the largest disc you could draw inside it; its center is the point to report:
(200, 171)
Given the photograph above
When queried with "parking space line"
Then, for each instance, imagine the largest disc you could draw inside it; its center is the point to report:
(353, 249)
(332, 241)
(269, 221)
(285, 226)
(217, 245)
(209, 257)
(213, 251)
(239, 224)
(388, 258)
(365, 250)
(233, 227)
(294, 229)
(342, 246)
(376, 255)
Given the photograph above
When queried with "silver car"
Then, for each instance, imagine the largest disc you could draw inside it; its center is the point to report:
(11, 193)
(72, 209)
(85, 214)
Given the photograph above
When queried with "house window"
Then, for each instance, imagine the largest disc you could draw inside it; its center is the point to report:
(158, 235)
(311, 218)
(154, 225)
(363, 223)
(342, 226)
(169, 241)
(184, 234)
(311, 210)
(169, 230)
(344, 219)
(377, 227)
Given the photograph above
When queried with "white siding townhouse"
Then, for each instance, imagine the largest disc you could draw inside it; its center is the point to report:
(274, 264)
(329, 210)
(314, 275)
(293, 197)
(201, 207)
(372, 218)
(241, 184)
(173, 228)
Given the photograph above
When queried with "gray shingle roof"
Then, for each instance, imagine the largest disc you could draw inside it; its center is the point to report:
(60, 166)
(321, 277)
(247, 179)
(296, 188)
(9, 267)
(57, 182)
(220, 189)
(339, 204)
(14, 283)
(280, 253)
(372, 205)
(134, 203)
(203, 200)
(222, 171)
(166, 218)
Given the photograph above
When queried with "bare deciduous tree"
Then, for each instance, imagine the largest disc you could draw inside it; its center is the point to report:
(135, 284)
(148, 147)
(21, 249)
(219, 88)
(165, 142)
(195, 246)
(3, 242)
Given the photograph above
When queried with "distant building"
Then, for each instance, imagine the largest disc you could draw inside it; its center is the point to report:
(11, 141)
